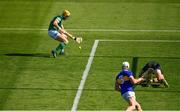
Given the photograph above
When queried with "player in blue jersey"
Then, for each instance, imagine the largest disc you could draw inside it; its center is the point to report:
(56, 31)
(124, 83)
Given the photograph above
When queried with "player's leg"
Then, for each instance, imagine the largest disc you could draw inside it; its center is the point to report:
(59, 37)
(64, 41)
(131, 103)
(160, 77)
(159, 74)
(131, 99)
(53, 34)
(137, 105)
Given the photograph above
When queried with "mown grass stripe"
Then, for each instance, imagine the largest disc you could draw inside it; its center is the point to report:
(94, 30)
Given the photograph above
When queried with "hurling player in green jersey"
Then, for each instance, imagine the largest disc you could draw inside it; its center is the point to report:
(57, 32)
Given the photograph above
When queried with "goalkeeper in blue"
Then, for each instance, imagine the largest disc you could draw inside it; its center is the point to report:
(57, 32)
(124, 83)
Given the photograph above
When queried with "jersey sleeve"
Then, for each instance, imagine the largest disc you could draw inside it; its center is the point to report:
(129, 74)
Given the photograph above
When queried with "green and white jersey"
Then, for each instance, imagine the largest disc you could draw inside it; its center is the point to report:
(59, 18)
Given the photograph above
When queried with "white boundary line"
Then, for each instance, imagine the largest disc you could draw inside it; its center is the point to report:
(93, 30)
(106, 40)
(85, 74)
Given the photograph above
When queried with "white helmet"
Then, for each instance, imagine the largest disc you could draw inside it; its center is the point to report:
(125, 64)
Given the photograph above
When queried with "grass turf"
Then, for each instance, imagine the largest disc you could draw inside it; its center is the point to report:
(29, 79)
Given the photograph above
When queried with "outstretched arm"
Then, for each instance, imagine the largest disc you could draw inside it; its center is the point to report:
(62, 30)
(77, 39)
(136, 81)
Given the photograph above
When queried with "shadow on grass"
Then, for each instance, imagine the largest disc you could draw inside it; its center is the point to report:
(103, 90)
(44, 55)
(29, 55)
(47, 55)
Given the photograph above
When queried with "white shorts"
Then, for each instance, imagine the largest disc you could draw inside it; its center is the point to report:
(54, 34)
(129, 94)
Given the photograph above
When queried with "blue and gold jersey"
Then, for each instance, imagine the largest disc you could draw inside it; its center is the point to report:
(123, 78)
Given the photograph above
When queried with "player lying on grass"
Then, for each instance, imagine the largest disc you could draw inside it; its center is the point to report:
(124, 84)
(56, 31)
(153, 73)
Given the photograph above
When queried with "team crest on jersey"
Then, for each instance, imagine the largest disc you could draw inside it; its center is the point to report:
(122, 79)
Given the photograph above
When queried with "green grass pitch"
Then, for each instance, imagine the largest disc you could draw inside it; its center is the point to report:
(31, 80)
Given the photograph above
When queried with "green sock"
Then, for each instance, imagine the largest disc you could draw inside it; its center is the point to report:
(62, 45)
(58, 48)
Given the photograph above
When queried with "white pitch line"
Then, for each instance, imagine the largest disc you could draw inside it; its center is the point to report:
(106, 40)
(85, 74)
(93, 30)
(22, 29)
(123, 30)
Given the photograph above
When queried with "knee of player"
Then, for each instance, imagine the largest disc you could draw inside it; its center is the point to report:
(65, 36)
(133, 106)
(132, 103)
